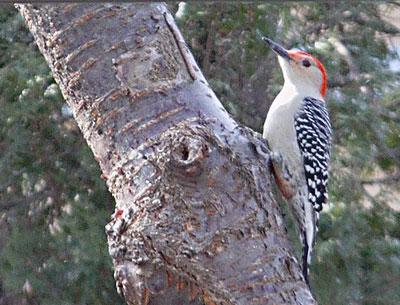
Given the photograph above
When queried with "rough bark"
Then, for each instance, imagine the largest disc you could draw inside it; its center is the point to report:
(195, 219)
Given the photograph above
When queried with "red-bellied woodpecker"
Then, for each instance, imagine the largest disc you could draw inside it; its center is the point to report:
(298, 132)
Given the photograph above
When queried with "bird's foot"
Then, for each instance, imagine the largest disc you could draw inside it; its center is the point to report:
(281, 166)
(284, 179)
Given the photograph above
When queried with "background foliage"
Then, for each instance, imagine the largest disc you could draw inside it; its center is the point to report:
(53, 205)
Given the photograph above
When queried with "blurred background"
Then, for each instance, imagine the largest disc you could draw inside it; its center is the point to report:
(54, 206)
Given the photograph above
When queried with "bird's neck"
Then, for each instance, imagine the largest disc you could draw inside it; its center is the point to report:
(301, 88)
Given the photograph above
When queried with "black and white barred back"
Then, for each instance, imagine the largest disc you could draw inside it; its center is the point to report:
(313, 130)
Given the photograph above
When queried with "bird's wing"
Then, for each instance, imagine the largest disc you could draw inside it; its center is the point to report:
(314, 136)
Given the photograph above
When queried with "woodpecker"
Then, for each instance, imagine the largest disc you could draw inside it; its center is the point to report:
(298, 132)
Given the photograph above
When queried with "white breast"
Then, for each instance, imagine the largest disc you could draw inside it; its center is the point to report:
(279, 127)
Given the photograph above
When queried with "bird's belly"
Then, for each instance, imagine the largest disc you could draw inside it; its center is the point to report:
(281, 136)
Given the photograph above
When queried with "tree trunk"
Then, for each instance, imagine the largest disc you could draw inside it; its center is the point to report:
(195, 219)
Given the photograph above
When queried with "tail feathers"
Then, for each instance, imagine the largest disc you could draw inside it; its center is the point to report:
(308, 238)
(308, 235)
(307, 219)
(306, 258)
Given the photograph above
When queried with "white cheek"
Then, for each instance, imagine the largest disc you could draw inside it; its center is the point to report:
(315, 74)
(299, 75)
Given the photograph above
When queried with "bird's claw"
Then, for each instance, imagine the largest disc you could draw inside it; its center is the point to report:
(277, 161)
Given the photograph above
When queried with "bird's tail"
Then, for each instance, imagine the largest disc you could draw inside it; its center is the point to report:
(306, 218)
(306, 258)
(308, 237)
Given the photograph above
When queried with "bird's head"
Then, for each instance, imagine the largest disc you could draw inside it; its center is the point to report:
(300, 68)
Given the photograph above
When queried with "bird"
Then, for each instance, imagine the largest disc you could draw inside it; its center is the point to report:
(298, 132)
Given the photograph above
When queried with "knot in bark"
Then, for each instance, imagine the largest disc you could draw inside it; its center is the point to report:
(188, 155)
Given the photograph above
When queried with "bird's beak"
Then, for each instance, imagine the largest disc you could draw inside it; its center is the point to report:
(281, 51)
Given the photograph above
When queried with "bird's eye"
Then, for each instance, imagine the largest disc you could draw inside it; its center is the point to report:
(306, 63)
